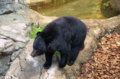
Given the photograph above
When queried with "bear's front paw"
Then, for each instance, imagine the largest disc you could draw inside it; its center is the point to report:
(70, 63)
(61, 65)
(47, 65)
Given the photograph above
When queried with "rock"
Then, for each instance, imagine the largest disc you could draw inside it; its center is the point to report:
(6, 6)
(115, 4)
(27, 65)
(14, 35)
(11, 6)
(35, 17)
(3, 37)
(16, 54)
(4, 64)
(6, 46)
(1, 77)
(19, 45)
(32, 68)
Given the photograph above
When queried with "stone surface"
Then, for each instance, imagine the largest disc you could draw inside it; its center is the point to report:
(16, 53)
(10, 6)
(1, 77)
(4, 64)
(115, 4)
(14, 35)
(35, 17)
(26, 67)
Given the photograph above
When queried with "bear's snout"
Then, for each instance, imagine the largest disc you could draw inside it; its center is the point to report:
(34, 53)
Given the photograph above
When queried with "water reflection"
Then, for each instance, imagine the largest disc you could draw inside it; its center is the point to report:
(82, 9)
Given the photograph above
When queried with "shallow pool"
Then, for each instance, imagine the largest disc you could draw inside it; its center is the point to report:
(81, 9)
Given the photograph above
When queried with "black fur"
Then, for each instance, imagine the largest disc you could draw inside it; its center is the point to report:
(66, 35)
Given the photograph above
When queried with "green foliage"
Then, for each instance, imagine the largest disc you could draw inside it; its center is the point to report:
(91, 4)
(106, 4)
(119, 40)
(118, 43)
(57, 52)
(102, 43)
(33, 32)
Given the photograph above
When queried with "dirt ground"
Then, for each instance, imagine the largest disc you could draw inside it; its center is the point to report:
(105, 62)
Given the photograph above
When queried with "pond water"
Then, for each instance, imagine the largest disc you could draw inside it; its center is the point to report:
(81, 9)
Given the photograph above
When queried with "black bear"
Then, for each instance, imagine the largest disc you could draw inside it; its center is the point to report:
(66, 35)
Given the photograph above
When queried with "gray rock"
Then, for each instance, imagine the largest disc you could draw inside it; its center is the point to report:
(115, 4)
(32, 68)
(10, 6)
(6, 45)
(1, 77)
(2, 36)
(14, 32)
(16, 54)
(8, 50)
(19, 45)
(4, 64)
(6, 6)
(25, 66)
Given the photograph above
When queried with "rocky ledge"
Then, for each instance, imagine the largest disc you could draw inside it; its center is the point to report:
(27, 67)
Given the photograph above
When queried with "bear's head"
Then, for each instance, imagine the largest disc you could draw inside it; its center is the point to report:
(39, 46)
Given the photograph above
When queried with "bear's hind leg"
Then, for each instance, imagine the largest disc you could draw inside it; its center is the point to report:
(48, 56)
(74, 53)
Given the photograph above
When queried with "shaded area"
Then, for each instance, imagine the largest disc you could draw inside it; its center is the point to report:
(105, 63)
(106, 9)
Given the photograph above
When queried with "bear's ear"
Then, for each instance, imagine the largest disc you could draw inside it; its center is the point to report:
(38, 33)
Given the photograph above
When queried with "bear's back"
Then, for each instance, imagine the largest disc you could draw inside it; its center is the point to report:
(69, 27)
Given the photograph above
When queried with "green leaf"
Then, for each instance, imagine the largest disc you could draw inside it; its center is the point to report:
(102, 43)
(118, 43)
(95, 64)
(34, 30)
(119, 40)
(57, 52)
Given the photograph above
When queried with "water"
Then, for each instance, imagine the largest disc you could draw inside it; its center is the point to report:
(81, 9)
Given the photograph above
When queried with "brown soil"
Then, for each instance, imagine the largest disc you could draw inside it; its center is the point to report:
(105, 62)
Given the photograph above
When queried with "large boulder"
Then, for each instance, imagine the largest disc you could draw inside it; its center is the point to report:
(14, 35)
(27, 67)
(115, 4)
(15, 24)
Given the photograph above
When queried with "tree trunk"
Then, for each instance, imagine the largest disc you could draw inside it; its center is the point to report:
(10, 6)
